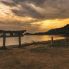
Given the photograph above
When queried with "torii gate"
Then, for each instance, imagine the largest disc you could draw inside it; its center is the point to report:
(5, 34)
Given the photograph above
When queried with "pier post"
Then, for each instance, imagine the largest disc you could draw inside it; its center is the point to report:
(52, 41)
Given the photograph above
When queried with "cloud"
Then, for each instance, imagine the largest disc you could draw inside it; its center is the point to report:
(39, 8)
(36, 9)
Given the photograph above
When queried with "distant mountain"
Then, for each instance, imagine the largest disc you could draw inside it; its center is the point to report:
(63, 30)
(58, 31)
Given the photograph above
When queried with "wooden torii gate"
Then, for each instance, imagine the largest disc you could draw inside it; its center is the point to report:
(5, 34)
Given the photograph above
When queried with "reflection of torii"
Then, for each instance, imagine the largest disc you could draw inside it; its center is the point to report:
(18, 34)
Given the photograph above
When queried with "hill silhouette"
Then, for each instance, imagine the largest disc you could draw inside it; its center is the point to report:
(64, 30)
(58, 31)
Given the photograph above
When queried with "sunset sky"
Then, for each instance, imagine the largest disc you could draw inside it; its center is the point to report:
(33, 15)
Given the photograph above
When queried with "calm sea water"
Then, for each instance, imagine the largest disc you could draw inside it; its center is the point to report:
(29, 39)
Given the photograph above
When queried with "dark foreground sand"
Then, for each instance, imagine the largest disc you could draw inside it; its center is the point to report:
(35, 56)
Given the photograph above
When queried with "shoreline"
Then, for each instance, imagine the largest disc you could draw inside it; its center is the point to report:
(56, 43)
(37, 55)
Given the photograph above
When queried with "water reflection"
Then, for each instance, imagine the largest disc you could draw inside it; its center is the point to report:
(29, 39)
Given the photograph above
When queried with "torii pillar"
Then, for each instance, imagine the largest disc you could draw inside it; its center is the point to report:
(19, 37)
(4, 40)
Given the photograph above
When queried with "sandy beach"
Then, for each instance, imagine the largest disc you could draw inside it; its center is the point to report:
(38, 55)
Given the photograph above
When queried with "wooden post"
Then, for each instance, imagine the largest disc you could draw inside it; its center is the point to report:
(52, 41)
(19, 41)
(4, 40)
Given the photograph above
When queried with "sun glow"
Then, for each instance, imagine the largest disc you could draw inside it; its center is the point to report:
(55, 23)
(52, 23)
